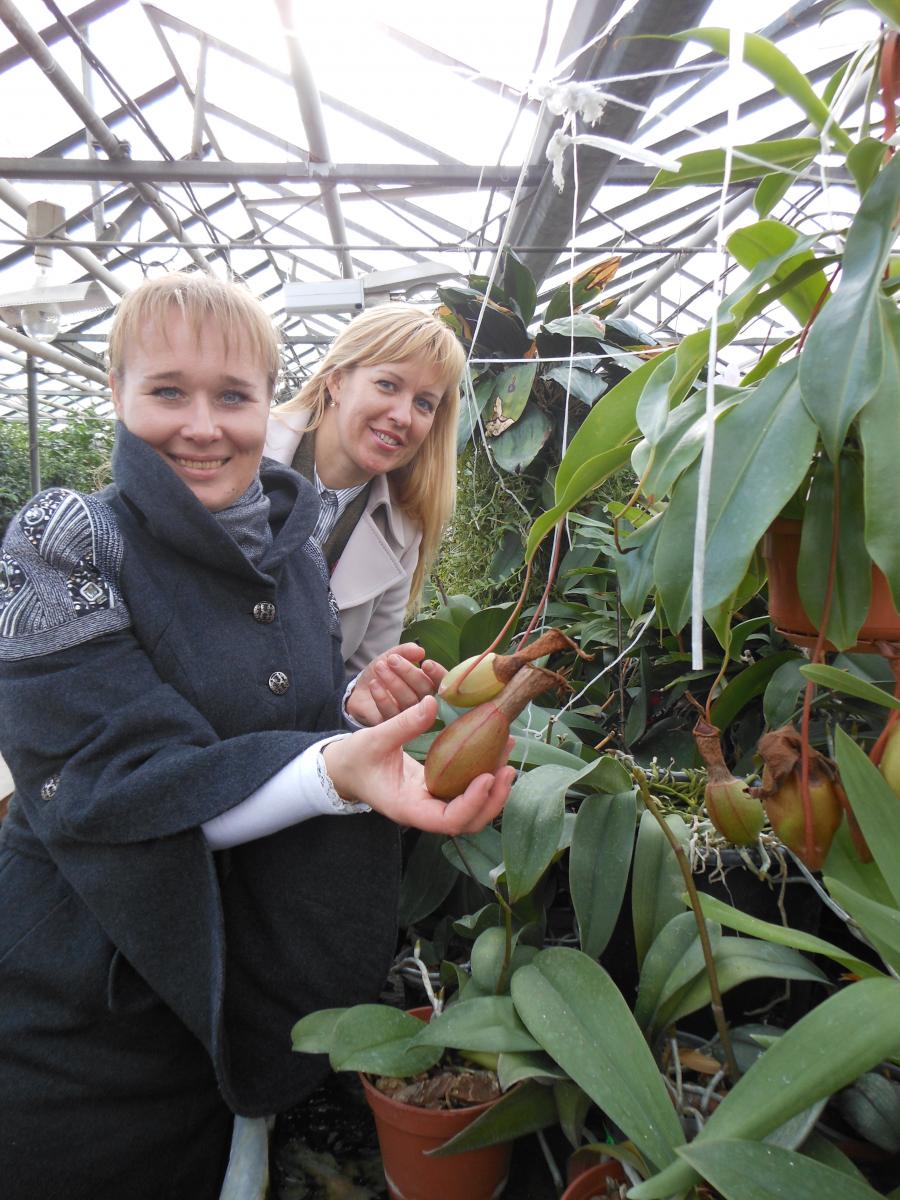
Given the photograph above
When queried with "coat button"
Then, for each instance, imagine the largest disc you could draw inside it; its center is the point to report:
(50, 786)
(279, 683)
(264, 612)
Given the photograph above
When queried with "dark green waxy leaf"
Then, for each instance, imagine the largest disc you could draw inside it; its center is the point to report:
(486, 1023)
(439, 639)
(787, 80)
(657, 882)
(782, 695)
(871, 1106)
(825, 1050)
(511, 390)
(478, 853)
(782, 935)
(575, 1011)
(875, 807)
(604, 774)
(525, 1109)
(586, 285)
(879, 922)
(670, 964)
(843, 361)
(636, 721)
(457, 609)
(583, 383)
(312, 1033)
(599, 858)
(589, 475)
(743, 1170)
(513, 1067)
(470, 925)
(766, 239)
(376, 1039)
(850, 685)
(517, 446)
(879, 432)
(518, 283)
(852, 591)
(762, 451)
(532, 824)
(750, 161)
(427, 879)
(481, 628)
(746, 686)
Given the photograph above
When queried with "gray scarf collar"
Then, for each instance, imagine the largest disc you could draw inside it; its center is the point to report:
(247, 521)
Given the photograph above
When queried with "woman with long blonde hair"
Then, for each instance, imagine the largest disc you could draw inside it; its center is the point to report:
(375, 429)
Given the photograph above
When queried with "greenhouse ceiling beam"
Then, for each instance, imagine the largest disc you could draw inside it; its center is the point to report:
(547, 216)
(49, 353)
(82, 170)
(163, 20)
(57, 32)
(113, 146)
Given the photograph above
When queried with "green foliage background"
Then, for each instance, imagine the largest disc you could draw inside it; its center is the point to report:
(75, 455)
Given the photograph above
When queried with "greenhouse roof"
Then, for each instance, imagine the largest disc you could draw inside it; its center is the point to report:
(399, 144)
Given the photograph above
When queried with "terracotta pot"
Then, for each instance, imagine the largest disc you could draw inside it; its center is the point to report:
(782, 550)
(406, 1133)
(593, 1182)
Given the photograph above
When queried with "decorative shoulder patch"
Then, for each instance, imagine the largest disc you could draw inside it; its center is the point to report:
(59, 575)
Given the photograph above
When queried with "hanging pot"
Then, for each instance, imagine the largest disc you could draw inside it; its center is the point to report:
(596, 1183)
(407, 1132)
(782, 551)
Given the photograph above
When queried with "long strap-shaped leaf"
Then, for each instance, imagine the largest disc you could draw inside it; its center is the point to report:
(831, 1046)
(753, 1171)
(879, 432)
(843, 362)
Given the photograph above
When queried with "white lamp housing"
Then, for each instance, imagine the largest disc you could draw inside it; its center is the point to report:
(41, 309)
(327, 296)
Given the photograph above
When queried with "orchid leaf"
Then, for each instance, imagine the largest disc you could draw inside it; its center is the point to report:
(657, 882)
(485, 1023)
(875, 807)
(749, 162)
(376, 1038)
(744, 1170)
(532, 823)
(523, 1110)
(599, 858)
(879, 432)
(850, 685)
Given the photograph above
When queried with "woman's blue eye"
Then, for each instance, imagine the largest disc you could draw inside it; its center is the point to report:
(424, 404)
(167, 393)
(234, 398)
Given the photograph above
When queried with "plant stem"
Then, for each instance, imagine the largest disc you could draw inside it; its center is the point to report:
(709, 962)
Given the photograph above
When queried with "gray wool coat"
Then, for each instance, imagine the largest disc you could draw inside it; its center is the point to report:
(148, 985)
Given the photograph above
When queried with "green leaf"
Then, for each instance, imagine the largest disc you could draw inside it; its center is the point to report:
(511, 390)
(750, 162)
(782, 694)
(762, 452)
(519, 445)
(513, 1067)
(529, 751)
(879, 432)
(582, 382)
(518, 283)
(875, 807)
(485, 1023)
(837, 1041)
(852, 591)
(865, 160)
(742, 1170)
(604, 774)
(578, 326)
(766, 239)
(738, 960)
(427, 879)
(472, 403)
(779, 70)
(634, 568)
(439, 639)
(588, 476)
(850, 685)
(872, 1107)
(879, 923)
(657, 881)
(843, 361)
(599, 858)
(532, 824)
(769, 360)
(782, 935)
(312, 1033)
(670, 964)
(481, 628)
(584, 287)
(746, 686)
(889, 9)
(376, 1039)
(575, 1011)
(525, 1109)
(679, 444)
(771, 189)
(482, 852)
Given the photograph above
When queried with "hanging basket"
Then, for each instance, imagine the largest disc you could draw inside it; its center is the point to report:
(406, 1133)
(782, 551)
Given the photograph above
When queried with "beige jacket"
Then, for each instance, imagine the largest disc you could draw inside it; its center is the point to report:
(372, 578)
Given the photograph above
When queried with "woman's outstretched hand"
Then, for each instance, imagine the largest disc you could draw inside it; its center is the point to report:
(393, 682)
(371, 766)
